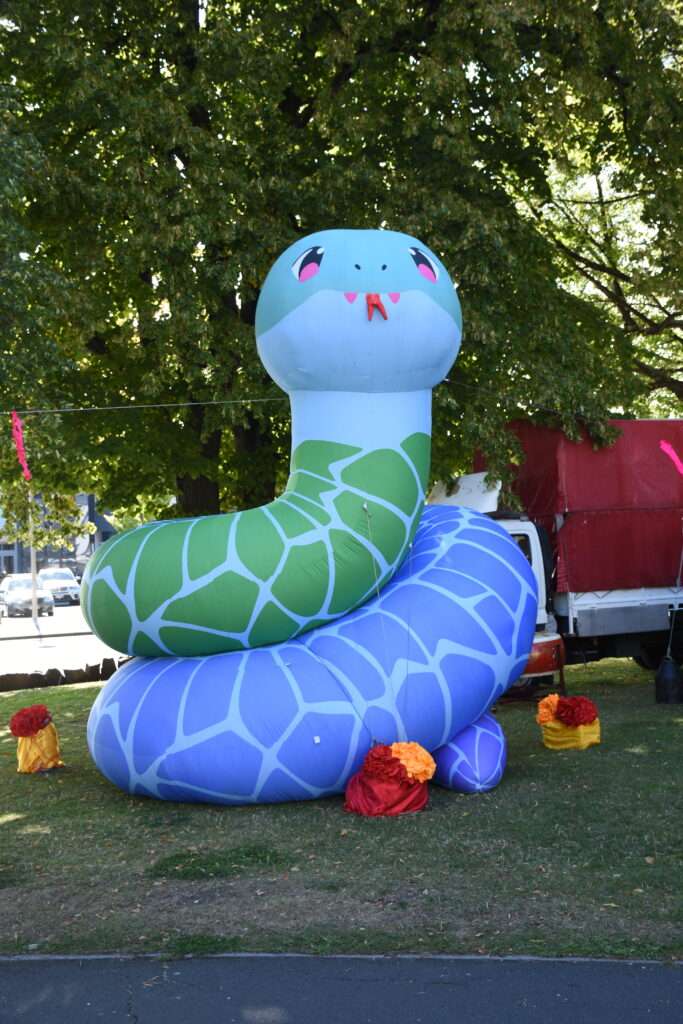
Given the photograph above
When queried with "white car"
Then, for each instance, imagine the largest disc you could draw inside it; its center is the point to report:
(16, 597)
(61, 583)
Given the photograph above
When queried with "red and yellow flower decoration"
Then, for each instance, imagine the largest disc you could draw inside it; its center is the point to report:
(568, 722)
(393, 780)
(37, 739)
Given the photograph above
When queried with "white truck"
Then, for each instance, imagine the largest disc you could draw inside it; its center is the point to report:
(603, 531)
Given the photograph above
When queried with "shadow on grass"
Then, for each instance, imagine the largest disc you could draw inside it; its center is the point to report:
(12, 874)
(192, 865)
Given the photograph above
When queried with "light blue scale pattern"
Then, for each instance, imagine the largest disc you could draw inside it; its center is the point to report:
(475, 760)
(424, 660)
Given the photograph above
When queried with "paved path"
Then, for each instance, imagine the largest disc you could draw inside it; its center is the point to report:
(45, 652)
(340, 990)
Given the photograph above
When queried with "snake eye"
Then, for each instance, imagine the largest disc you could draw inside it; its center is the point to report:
(427, 267)
(307, 265)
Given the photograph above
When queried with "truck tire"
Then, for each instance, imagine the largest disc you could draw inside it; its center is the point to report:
(650, 656)
(525, 688)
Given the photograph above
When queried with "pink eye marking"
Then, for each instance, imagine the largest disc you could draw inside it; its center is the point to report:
(394, 296)
(427, 272)
(309, 271)
(424, 265)
(350, 296)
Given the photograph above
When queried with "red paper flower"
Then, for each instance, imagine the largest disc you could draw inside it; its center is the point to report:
(575, 711)
(380, 763)
(383, 788)
(29, 721)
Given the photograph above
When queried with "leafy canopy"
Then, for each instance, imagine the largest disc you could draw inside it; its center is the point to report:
(159, 155)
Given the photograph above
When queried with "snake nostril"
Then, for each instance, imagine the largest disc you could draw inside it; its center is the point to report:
(384, 266)
(357, 266)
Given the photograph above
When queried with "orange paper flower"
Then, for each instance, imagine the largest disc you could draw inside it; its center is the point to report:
(419, 764)
(547, 708)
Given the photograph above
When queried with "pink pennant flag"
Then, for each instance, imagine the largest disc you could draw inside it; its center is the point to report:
(669, 450)
(18, 438)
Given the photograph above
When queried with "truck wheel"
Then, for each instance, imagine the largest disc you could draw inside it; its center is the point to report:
(650, 656)
(525, 689)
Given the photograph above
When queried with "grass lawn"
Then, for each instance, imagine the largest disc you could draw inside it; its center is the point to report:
(574, 853)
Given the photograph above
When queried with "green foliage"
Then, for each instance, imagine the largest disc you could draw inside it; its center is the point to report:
(47, 514)
(623, 255)
(159, 155)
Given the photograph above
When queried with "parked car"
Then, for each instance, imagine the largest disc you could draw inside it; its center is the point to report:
(16, 597)
(61, 583)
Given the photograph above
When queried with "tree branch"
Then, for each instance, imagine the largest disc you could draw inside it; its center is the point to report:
(603, 202)
(660, 378)
(600, 268)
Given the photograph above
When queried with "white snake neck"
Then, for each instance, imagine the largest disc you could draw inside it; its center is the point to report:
(365, 420)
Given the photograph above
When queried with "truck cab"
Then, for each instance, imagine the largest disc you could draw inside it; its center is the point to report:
(548, 655)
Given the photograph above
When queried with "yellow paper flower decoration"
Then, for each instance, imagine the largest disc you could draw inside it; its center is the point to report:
(39, 753)
(418, 762)
(547, 708)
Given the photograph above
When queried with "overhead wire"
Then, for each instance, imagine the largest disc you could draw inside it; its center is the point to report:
(141, 405)
(135, 406)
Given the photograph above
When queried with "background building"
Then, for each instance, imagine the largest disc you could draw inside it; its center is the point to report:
(15, 556)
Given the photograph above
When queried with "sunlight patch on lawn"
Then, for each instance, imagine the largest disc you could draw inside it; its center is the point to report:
(5, 819)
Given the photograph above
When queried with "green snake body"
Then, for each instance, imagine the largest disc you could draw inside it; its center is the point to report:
(218, 583)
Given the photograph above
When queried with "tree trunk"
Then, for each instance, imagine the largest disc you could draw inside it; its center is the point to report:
(254, 466)
(198, 494)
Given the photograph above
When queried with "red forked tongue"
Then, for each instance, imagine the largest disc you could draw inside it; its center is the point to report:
(374, 302)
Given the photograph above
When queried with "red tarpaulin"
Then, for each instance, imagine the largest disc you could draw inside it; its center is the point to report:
(621, 507)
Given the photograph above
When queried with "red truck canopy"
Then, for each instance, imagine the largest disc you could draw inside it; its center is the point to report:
(622, 505)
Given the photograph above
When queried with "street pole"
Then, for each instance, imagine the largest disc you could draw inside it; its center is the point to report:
(18, 438)
(34, 574)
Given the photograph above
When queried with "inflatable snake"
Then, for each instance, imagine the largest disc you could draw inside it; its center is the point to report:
(279, 643)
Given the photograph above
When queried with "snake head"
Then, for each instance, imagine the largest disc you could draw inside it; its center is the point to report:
(358, 310)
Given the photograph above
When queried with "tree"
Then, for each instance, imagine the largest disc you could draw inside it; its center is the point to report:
(29, 358)
(183, 145)
(628, 266)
